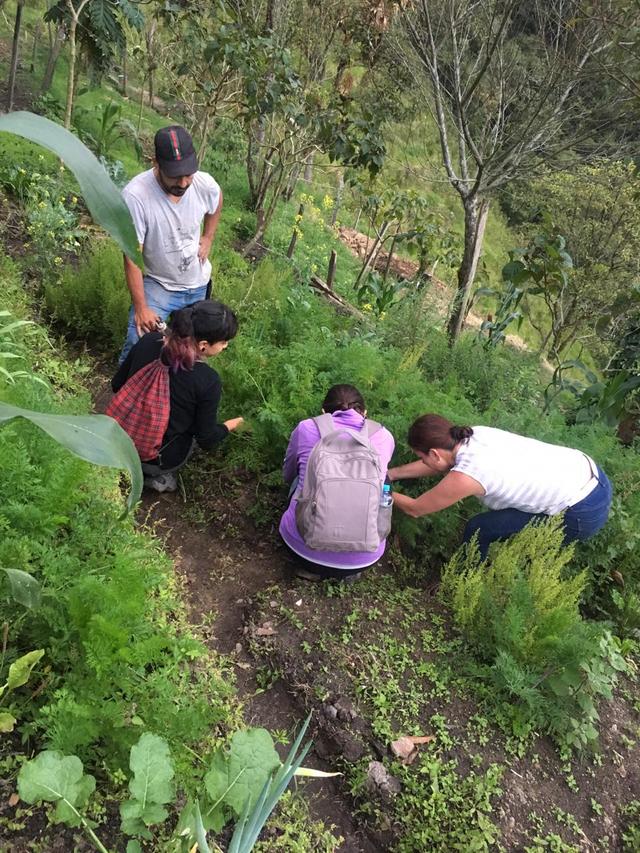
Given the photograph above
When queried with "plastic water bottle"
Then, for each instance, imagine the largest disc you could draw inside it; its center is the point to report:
(386, 499)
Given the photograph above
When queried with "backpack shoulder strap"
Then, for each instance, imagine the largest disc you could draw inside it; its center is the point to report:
(325, 424)
(372, 427)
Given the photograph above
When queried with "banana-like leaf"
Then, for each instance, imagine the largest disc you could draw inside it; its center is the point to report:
(95, 438)
(101, 195)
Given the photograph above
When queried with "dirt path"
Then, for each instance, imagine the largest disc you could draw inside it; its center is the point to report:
(224, 564)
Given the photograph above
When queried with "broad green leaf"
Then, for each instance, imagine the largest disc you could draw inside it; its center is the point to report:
(252, 760)
(64, 813)
(151, 763)
(130, 821)
(95, 438)
(24, 588)
(250, 825)
(216, 780)
(100, 193)
(154, 813)
(20, 670)
(7, 722)
(55, 778)
(151, 786)
(133, 846)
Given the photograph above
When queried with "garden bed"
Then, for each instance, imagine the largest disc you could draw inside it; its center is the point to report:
(377, 660)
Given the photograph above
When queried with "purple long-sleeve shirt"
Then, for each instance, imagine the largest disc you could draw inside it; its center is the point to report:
(303, 439)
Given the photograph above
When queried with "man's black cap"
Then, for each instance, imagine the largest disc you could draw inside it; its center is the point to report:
(175, 153)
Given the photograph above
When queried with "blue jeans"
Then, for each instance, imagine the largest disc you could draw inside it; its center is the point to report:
(163, 302)
(581, 521)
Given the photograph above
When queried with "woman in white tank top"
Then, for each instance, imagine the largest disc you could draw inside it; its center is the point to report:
(517, 478)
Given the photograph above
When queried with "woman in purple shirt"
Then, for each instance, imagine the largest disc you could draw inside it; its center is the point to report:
(346, 405)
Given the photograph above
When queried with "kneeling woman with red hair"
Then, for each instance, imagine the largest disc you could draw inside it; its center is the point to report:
(167, 396)
(519, 479)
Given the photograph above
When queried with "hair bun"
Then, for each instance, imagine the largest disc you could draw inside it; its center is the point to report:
(461, 433)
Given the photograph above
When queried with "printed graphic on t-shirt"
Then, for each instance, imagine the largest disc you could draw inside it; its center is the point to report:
(181, 242)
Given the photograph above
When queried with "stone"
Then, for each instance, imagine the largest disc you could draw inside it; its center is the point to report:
(380, 780)
(330, 711)
(403, 748)
(345, 708)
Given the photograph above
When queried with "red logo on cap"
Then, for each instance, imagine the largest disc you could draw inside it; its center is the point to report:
(176, 145)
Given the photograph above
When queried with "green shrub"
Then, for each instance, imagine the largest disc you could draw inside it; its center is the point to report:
(118, 655)
(92, 300)
(519, 612)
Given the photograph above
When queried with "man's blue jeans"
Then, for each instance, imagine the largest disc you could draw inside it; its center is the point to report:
(581, 521)
(163, 302)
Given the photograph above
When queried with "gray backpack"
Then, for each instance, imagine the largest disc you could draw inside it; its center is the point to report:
(339, 508)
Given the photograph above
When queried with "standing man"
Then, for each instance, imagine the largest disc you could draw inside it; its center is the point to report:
(169, 204)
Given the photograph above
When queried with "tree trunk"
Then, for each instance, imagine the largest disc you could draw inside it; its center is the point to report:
(308, 168)
(71, 81)
(255, 243)
(475, 219)
(370, 259)
(338, 202)
(14, 55)
(150, 36)
(294, 233)
(37, 32)
(125, 73)
(55, 45)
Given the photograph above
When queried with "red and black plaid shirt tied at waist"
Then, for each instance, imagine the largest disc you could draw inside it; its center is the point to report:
(142, 406)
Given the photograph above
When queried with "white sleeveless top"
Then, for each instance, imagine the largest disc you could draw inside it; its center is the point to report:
(523, 473)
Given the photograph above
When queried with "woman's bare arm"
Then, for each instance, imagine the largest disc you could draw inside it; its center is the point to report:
(451, 489)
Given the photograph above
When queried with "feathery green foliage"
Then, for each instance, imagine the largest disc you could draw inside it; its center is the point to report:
(519, 612)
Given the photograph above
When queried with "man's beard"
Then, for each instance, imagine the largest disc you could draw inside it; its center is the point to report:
(179, 191)
(172, 189)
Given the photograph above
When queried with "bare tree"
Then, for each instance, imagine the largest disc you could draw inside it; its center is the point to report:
(15, 49)
(74, 18)
(512, 86)
(57, 35)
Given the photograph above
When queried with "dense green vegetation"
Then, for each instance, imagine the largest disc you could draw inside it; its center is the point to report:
(534, 644)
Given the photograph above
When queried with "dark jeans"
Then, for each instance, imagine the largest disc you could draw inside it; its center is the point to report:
(581, 521)
(155, 468)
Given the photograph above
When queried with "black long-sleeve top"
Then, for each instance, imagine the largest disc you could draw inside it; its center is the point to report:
(194, 398)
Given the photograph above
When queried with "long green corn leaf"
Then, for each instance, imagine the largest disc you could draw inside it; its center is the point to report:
(96, 438)
(98, 190)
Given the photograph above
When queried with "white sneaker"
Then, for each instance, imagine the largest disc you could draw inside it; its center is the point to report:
(162, 483)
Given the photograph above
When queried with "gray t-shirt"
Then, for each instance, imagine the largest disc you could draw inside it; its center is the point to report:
(169, 232)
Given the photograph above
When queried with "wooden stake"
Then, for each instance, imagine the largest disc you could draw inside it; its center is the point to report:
(294, 234)
(332, 269)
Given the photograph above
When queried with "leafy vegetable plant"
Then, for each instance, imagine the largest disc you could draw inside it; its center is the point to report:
(151, 787)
